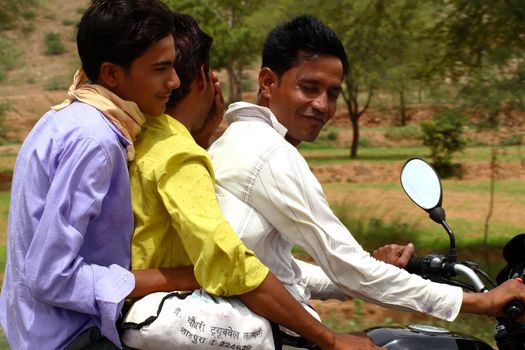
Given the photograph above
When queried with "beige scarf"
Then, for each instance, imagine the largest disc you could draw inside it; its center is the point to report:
(125, 115)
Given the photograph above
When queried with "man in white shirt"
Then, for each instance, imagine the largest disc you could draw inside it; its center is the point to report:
(273, 201)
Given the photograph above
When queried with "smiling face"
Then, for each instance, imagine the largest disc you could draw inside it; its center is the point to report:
(150, 79)
(304, 98)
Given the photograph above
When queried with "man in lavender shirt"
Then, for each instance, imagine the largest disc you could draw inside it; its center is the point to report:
(70, 219)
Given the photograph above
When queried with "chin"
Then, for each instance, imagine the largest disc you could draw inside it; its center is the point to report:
(311, 138)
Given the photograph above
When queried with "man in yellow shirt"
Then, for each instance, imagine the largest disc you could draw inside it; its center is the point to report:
(178, 221)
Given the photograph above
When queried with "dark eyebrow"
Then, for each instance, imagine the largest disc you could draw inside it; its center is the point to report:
(162, 64)
(333, 89)
(336, 89)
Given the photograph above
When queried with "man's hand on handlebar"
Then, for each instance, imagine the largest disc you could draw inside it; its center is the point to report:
(493, 302)
(395, 254)
(354, 341)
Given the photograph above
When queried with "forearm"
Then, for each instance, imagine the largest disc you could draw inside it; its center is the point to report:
(493, 302)
(163, 280)
(272, 301)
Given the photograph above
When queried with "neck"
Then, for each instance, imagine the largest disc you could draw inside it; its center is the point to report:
(180, 113)
(263, 102)
(292, 141)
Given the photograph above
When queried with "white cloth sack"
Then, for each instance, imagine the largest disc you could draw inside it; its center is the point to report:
(184, 320)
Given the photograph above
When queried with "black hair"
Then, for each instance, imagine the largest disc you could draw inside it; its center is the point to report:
(120, 31)
(304, 34)
(192, 46)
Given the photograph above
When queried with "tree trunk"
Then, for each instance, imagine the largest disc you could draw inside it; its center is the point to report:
(493, 175)
(234, 83)
(354, 119)
(402, 109)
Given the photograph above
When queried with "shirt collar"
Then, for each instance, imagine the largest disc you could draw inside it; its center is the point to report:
(168, 124)
(240, 111)
(123, 140)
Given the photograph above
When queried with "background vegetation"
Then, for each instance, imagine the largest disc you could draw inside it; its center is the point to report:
(412, 62)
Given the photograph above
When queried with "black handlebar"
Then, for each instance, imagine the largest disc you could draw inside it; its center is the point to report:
(513, 310)
(421, 265)
(416, 265)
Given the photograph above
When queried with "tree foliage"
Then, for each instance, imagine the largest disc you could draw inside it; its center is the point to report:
(235, 27)
(390, 49)
(395, 48)
(485, 55)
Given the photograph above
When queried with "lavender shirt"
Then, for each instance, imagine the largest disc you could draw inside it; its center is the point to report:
(69, 232)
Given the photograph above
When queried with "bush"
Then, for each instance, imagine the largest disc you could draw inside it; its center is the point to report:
(9, 56)
(68, 22)
(57, 83)
(332, 134)
(28, 15)
(53, 44)
(444, 136)
(364, 142)
(512, 140)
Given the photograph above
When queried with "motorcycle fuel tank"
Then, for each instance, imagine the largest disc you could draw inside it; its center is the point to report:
(424, 337)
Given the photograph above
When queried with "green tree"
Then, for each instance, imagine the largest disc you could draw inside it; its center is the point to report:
(361, 32)
(389, 47)
(413, 49)
(486, 57)
(235, 28)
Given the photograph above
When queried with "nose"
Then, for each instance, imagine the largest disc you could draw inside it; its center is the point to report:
(320, 103)
(173, 81)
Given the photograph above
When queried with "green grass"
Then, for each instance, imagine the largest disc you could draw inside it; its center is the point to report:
(339, 155)
(465, 203)
(322, 153)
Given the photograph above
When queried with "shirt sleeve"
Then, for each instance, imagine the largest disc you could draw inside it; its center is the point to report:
(56, 272)
(287, 193)
(317, 282)
(223, 265)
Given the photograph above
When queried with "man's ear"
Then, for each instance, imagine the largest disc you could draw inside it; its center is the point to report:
(267, 80)
(110, 74)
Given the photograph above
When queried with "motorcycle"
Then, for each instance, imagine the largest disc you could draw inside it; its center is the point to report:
(422, 185)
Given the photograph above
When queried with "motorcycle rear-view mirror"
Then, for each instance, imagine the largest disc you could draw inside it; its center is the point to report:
(421, 184)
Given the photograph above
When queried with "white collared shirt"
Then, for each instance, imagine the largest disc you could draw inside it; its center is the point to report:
(273, 201)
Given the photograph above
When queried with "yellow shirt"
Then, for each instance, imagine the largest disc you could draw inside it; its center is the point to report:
(178, 221)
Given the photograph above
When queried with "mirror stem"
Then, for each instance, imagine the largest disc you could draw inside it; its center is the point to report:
(438, 215)
(452, 254)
